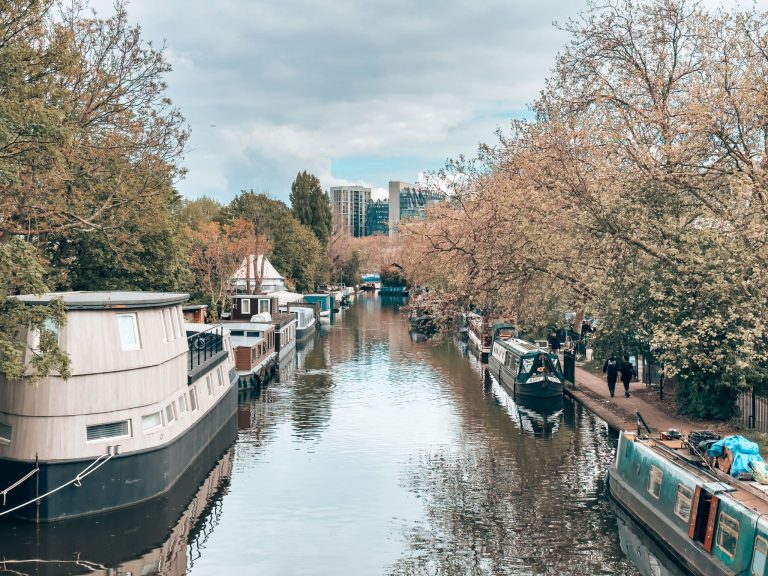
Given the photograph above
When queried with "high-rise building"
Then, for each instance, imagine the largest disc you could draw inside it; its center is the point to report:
(377, 217)
(409, 202)
(349, 204)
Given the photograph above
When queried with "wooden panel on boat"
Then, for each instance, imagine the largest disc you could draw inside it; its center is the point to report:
(710, 534)
(673, 444)
(694, 513)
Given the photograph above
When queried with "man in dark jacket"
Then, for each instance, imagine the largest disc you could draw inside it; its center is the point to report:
(611, 369)
(627, 372)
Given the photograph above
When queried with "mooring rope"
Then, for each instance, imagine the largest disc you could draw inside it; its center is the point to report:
(20, 481)
(87, 471)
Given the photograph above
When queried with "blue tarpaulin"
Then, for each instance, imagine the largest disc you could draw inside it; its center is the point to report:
(744, 451)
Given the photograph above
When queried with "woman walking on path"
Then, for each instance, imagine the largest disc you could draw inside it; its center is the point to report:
(611, 369)
(627, 372)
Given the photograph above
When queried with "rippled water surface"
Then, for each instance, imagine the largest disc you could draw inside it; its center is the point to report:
(374, 454)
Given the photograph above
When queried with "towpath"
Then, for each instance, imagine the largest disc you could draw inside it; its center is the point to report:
(619, 412)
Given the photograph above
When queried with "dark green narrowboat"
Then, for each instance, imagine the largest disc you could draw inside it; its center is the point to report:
(524, 368)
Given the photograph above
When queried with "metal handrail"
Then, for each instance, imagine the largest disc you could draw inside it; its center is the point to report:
(205, 345)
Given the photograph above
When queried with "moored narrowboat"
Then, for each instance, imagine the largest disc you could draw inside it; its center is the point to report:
(524, 368)
(711, 523)
(145, 397)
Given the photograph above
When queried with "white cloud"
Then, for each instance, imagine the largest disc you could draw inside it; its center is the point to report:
(273, 88)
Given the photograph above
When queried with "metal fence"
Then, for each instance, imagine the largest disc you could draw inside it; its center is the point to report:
(204, 346)
(753, 410)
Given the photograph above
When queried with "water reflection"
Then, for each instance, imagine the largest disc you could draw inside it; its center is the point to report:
(538, 416)
(649, 558)
(164, 536)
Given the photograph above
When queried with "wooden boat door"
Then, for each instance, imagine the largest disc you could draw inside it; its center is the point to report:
(701, 524)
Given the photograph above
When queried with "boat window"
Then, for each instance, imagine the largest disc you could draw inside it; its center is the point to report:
(527, 365)
(170, 416)
(655, 476)
(167, 324)
(683, 502)
(220, 377)
(165, 328)
(192, 399)
(727, 534)
(758, 557)
(209, 385)
(129, 331)
(151, 421)
(6, 431)
(237, 332)
(263, 306)
(245, 306)
(180, 320)
(109, 430)
(182, 403)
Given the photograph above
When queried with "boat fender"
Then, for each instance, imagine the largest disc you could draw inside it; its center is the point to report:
(200, 344)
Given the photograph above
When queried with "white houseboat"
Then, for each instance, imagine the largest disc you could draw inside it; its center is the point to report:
(145, 397)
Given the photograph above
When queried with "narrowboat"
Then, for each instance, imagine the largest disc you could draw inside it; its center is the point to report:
(306, 322)
(370, 281)
(479, 335)
(145, 397)
(538, 417)
(253, 346)
(711, 523)
(326, 305)
(524, 368)
(285, 333)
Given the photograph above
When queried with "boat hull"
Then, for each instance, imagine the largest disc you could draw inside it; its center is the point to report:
(545, 389)
(124, 480)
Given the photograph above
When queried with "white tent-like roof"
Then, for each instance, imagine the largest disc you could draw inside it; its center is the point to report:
(284, 297)
(254, 266)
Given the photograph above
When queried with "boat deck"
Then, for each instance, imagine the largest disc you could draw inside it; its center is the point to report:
(748, 492)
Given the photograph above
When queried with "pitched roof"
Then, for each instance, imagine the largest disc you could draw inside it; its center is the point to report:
(257, 267)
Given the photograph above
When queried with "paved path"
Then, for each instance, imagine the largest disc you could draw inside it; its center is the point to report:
(619, 412)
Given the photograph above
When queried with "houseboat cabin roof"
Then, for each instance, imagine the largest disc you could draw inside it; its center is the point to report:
(106, 300)
(521, 346)
(282, 319)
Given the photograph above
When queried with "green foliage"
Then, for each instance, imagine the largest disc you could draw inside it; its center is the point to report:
(311, 207)
(350, 271)
(296, 252)
(21, 273)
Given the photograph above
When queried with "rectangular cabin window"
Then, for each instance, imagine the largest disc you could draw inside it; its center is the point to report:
(105, 431)
(167, 324)
(6, 431)
(180, 320)
(263, 306)
(245, 306)
(683, 502)
(758, 557)
(220, 376)
(192, 399)
(182, 404)
(209, 385)
(129, 331)
(170, 415)
(655, 476)
(151, 421)
(165, 328)
(727, 534)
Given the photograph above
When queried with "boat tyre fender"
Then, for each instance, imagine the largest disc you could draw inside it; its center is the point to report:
(200, 344)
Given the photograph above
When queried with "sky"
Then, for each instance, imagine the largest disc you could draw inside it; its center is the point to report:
(353, 91)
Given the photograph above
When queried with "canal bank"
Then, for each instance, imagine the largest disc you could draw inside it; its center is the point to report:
(620, 413)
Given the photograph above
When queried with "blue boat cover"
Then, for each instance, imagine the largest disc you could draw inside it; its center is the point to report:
(744, 451)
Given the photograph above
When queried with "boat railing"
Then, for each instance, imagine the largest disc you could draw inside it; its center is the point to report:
(205, 348)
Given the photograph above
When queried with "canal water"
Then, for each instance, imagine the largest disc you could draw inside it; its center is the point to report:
(373, 454)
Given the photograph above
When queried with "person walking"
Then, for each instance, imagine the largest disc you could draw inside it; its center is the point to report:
(611, 370)
(554, 342)
(627, 372)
